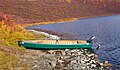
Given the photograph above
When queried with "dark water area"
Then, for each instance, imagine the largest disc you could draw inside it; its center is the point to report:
(105, 29)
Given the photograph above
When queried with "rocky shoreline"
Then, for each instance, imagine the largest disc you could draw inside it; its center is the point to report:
(44, 10)
(75, 59)
(68, 59)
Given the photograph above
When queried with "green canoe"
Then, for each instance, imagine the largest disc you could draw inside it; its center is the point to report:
(55, 44)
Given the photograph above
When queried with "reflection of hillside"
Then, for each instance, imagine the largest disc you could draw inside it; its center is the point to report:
(44, 10)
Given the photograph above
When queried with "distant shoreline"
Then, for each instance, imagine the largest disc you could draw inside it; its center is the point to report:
(63, 20)
(45, 12)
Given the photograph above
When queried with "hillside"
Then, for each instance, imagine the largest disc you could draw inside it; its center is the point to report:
(48, 10)
(13, 57)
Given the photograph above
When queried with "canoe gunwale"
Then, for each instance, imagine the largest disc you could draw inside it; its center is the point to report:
(59, 42)
(34, 44)
(52, 44)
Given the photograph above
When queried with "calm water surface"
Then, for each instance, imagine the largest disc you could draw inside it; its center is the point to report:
(106, 30)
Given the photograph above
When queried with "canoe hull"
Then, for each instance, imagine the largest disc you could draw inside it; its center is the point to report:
(54, 46)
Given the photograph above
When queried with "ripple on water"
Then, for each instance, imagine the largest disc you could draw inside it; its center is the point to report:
(106, 30)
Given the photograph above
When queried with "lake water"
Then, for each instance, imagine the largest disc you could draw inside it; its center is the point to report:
(105, 29)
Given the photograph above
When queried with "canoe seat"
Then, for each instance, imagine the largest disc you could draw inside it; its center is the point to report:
(81, 42)
(39, 41)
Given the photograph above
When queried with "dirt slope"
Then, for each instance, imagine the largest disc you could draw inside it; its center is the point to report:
(47, 10)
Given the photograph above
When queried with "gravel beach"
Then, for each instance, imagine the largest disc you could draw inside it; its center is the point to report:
(76, 59)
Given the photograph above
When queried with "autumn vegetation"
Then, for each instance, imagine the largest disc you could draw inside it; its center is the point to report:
(10, 33)
(15, 13)
(32, 11)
